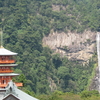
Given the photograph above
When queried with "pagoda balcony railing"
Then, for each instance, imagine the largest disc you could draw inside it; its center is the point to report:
(7, 61)
(17, 84)
(6, 71)
(3, 85)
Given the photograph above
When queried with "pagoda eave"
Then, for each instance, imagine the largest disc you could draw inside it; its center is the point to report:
(4, 85)
(9, 74)
(8, 65)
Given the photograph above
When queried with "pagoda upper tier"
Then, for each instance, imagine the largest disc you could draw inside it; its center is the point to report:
(6, 56)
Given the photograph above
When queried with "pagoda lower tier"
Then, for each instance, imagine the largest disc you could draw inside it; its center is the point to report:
(6, 77)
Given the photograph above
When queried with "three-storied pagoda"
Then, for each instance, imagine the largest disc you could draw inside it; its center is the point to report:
(7, 61)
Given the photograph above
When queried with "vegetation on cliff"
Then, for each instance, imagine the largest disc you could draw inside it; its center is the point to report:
(24, 24)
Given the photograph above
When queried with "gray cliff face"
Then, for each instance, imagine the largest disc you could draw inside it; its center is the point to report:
(73, 45)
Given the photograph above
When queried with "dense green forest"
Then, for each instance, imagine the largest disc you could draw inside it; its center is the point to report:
(26, 22)
(58, 95)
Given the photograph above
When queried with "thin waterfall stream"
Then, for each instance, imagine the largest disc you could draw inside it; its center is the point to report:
(98, 54)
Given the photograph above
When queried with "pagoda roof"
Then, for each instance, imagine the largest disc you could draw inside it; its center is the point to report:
(12, 90)
(9, 74)
(24, 96)
(4, 51)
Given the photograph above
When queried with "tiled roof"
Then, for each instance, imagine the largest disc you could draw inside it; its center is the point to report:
(24, 96)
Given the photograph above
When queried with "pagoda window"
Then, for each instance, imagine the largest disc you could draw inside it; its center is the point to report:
(3, 58)
(6, 58)
(10, 57)
(4, 81)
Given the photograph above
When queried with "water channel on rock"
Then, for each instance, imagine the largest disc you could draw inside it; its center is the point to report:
(98, 54)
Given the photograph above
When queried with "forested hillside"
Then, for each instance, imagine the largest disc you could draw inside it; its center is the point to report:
(26, 22)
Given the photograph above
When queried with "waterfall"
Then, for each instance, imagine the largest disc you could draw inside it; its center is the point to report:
(98, 53)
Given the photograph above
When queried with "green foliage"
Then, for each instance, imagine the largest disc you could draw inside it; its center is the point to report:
(63, 71)
(58, 95)
(20, 14)
(86, 94)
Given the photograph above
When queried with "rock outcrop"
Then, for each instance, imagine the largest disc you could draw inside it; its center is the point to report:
(75, 46)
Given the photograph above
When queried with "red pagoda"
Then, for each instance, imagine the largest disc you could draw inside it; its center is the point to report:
(7, 61)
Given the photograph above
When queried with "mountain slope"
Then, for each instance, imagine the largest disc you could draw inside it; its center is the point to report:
(26, 22)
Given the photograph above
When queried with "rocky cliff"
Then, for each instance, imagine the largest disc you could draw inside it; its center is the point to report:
(75, 46)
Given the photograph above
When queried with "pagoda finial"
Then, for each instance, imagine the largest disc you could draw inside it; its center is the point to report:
(1, 38)
(1, 46)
